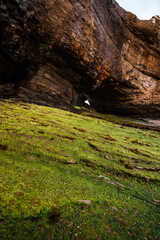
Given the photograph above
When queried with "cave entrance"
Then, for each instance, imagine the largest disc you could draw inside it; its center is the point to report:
(87, 102)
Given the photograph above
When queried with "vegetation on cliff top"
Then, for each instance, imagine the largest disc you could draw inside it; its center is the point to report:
(69, 176)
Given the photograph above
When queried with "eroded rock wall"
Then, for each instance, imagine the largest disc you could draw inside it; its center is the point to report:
(59, 52)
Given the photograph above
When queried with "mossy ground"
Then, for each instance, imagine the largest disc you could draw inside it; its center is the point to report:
(51, 159)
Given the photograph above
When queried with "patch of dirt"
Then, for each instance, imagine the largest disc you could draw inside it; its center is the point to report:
(153, 136)
(134, 174)
(80, 129)
(40, 131)
(44, 124)
(136, 151)
(69, 137)
(54, 216)
(19, 194)
(121, 161)
(149, 161)
(34, 202)
(53, 139)
(40, 137)
(109, 138)
(93, 165)
(137, 142)
(88, 163)
(3, 147)
(128, 166)
(12, 201)
(95, 147)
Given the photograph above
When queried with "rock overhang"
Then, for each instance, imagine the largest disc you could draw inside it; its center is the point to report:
(61, 50)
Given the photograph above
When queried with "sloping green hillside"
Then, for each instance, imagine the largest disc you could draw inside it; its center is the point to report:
(69, 176)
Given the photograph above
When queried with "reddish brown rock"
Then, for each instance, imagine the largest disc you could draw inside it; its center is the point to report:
(60, 52)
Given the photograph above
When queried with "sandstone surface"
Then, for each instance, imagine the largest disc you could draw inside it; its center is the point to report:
(62, 52)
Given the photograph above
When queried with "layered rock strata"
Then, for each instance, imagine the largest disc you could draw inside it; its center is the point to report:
(62, 52)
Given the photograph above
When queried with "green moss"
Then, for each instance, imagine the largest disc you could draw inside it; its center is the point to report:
(51, 158)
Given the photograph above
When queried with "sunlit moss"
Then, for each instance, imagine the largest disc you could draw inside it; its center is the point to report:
(51, 158)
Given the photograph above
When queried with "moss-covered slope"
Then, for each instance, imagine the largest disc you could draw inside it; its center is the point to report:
(69, 176)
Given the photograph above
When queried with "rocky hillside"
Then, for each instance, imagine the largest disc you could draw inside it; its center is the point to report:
(62, 52)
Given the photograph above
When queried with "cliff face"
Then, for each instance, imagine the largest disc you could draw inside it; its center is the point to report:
(61, 52)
